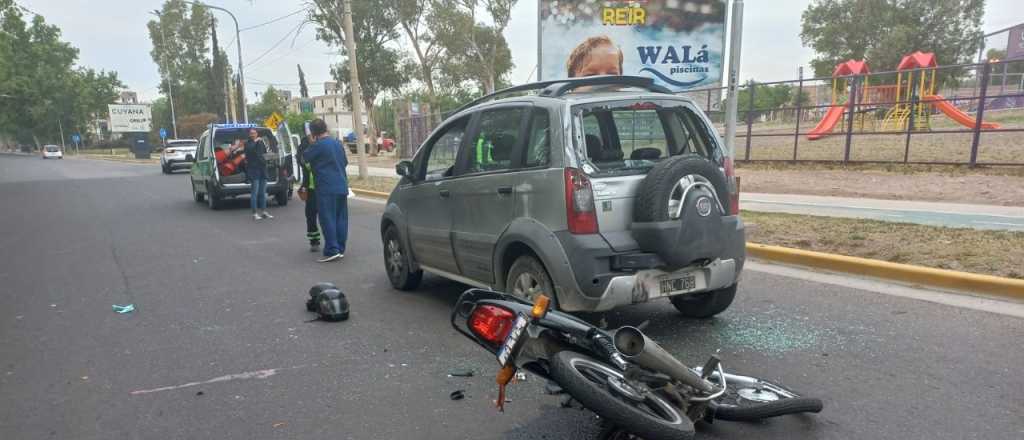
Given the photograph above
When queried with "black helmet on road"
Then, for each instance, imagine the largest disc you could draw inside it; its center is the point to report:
(331, 305)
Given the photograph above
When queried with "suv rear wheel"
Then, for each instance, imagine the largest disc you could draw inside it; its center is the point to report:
(212, 199)
(397, 262)
(704, 305)
(527, 278)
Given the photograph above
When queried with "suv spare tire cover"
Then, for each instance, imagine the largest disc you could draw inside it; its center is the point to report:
(653, 195)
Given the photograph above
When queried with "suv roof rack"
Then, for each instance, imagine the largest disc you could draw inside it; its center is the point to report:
(559, 87)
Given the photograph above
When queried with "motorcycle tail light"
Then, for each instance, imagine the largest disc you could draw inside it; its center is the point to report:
(491, 323)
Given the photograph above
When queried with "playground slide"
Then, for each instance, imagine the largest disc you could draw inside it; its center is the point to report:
(956, 114)
(824, 128)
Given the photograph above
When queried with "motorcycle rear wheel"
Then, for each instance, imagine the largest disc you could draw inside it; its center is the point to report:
(604, 390)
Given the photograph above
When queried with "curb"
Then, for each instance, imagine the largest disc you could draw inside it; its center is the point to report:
(947, 279)
(368, 193)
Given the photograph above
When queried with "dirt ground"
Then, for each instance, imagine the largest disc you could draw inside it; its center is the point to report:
(986, 252)
(989, 186)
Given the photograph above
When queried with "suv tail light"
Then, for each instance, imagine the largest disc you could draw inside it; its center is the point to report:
(579, 203)
(168, 150)
(733, 183)
(491, 323)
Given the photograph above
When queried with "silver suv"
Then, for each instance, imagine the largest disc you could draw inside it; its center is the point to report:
(599, 192)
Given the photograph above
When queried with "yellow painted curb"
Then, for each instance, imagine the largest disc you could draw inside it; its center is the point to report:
(368, 193)
(949, 279)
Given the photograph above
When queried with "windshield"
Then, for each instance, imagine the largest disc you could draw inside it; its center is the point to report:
(630, 138)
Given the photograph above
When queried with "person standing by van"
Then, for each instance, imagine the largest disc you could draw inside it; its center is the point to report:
(327, 158)
(307, 192)
(256, 173)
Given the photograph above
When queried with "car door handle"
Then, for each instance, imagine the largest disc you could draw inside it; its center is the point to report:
(505, 190)
(444, 193)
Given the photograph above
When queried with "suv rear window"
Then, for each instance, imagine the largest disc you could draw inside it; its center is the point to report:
(631, 138)
(223, 138)
(52, 149)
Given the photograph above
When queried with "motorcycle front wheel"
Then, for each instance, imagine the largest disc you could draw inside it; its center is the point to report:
(604, 390)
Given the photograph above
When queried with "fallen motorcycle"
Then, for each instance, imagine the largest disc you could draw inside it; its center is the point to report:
(621, 375)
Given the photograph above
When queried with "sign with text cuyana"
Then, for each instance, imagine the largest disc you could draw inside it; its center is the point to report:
(679, 43)
(126, 118)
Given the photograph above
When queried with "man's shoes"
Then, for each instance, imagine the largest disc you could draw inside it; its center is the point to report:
(314, 247)
(328, 259)
(256, 217)
(267, 215)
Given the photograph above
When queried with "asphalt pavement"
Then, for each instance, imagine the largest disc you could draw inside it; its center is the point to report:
(220, 345)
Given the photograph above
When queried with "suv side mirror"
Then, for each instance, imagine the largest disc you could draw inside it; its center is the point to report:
(404, 168)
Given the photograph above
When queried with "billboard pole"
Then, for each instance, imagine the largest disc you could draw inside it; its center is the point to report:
(735, 43)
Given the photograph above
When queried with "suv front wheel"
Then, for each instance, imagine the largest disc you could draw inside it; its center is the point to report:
(704, 305)
(397, 262)
(527, 278)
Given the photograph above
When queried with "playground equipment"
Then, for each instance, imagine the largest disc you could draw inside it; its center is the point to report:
(835, 112)
(915, 77)
(912, 98)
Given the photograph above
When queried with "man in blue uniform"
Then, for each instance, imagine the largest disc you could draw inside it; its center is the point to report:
(327, 158)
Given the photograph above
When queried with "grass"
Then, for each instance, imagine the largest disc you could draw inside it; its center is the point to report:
(998, 253)
(373, 183)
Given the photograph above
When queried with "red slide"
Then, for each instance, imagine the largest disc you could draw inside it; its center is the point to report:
(956, 114)
(824, 128)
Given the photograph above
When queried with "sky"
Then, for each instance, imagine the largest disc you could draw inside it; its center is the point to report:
(112, 35)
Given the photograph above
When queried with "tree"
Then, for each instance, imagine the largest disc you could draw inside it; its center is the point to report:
(475, 51)
(383, 68)
(883, 31)
(39, 78)
(192, 126)
(413, 18)
(270, 102)
(184, 57)
(296, 121)
(303, 89)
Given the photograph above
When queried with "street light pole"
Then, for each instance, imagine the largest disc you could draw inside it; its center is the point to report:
(238, 43)
(735, 43)
(170, 88)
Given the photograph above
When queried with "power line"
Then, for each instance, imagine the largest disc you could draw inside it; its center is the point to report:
(273, 21)
(285, 37)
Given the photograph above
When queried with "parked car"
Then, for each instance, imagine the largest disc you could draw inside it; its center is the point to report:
(209, 185)
(52, 152)
(599, 192)
(178, 153)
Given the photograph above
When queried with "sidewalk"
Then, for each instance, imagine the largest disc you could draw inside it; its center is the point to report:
(353, 170)
(926, 213)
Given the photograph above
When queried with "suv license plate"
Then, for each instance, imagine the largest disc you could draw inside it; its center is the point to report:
(509, 346)
(682, 283)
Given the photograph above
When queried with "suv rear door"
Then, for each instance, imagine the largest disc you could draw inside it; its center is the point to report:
(623, 140)
(483, 198)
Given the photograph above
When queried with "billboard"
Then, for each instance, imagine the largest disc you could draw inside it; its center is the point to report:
(679, 43)
(125, 118)
(1015, 47)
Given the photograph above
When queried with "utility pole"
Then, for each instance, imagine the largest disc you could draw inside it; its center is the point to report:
(170, 89)
(357, 100)
(63, 147)
(735, 44)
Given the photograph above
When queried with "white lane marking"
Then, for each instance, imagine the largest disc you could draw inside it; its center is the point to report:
(875, 208)
(258, 374)
(961, 300)
(996, 223)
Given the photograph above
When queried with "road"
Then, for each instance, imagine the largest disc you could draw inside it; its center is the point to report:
(955, 215)
(220, 345)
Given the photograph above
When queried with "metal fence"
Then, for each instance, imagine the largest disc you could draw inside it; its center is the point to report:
(975, 119)
(970, 114)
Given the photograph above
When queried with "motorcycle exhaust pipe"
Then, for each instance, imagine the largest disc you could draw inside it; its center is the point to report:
(640, 349)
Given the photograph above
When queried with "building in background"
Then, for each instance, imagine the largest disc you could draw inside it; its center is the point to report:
(128, 97)
(330, 107)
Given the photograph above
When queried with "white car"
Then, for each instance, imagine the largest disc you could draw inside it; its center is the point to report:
(178, 154)
(52, 152)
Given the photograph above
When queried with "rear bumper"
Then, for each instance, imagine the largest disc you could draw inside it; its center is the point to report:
(244, 189)
(645, 285)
